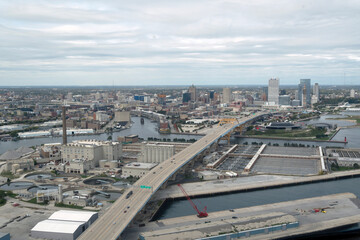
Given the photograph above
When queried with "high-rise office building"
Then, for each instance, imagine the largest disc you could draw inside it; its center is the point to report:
(226, 95)
(284, 100)
(264, 94)
(186, 97)
(192, 91)
(273, 91)
(212, 93)
(316, 90)
(352, 93)
(304, 92)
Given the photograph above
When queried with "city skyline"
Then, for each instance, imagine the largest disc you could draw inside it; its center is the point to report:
(168, 43)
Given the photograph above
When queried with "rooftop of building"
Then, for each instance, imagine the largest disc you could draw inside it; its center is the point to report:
(16, 154)
(57, 226)
(140, 165)
(91, 143)
(76, 216)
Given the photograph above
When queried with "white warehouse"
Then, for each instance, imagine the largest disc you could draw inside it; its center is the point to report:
(64, 225)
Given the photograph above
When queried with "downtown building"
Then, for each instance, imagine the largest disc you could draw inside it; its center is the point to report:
(304, 92)
(226, 95)
(273, 91)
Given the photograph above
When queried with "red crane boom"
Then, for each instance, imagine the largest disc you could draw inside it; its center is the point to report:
(200, 214)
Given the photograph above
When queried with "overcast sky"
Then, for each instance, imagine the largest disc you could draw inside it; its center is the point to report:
(178, 42)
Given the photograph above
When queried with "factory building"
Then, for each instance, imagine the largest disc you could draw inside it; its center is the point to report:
(64, 225)
(79, 166)
(91, 150)
(122, 117)
(137, 169)
(156, 152)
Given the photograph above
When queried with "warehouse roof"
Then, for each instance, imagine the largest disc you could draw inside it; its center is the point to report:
(66, 215)
(56, 226)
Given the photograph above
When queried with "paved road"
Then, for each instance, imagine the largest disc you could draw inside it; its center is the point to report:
(120, 214)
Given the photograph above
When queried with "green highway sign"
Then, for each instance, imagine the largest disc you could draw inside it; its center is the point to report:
(146, 187)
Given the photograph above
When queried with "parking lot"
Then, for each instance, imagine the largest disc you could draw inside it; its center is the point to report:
(19, 220)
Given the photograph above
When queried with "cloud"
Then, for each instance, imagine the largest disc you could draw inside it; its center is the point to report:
(178, 42)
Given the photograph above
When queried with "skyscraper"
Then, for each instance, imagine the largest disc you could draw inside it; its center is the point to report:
(192, 91)
(304, 92)
(352, 93)
(273, 91)
(226, 95)
(186, 97)
(264, 94)
(316, 91)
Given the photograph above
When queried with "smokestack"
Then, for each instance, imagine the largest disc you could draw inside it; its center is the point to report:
(60, 194)
(64, 124)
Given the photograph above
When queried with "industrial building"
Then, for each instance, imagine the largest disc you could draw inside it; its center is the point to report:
(91, 150)
(79, 166)
(122, 117)
(345, 157)
(78, 216)
(64, 225)
(108, 163)
(137, 169)
(59, 230)
(156, 152)
(18, 160)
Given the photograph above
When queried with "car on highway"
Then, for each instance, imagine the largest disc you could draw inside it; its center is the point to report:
(129, 194)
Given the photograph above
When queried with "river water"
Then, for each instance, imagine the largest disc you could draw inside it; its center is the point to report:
(148, 129)
(180, 208)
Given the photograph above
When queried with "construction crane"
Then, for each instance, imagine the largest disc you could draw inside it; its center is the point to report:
(200, 214)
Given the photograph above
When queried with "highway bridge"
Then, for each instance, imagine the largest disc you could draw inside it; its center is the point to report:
(114, 221)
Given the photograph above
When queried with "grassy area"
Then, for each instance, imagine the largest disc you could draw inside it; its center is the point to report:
(67, 206)
(336, 167)
(301, 133)
(33, 200)
(4, 194)
(7, 174)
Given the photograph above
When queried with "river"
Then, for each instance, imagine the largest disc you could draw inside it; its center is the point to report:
(148, 129)
(180, 208)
